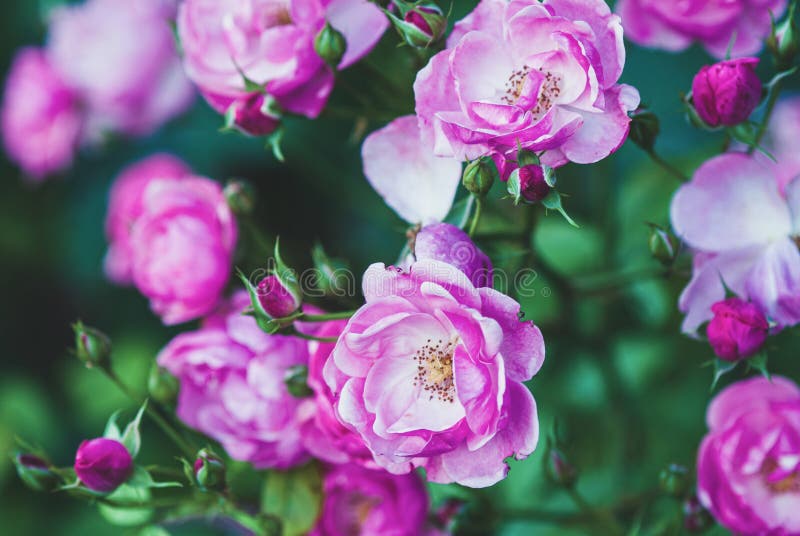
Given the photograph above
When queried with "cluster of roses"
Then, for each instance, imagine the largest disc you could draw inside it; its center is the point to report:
(429, 373)
(81, 87)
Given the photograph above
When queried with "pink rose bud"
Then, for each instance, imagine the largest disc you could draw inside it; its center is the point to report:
(738, 329)
(276, 299)
(429, 21)
(727, 92)
(447, 243)
(532, 184)
(103, 464)
(251, 115)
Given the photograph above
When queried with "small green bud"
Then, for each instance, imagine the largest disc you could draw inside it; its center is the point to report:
(240, 196)
(663, 245)
(784, 41)
(162, 386)
(296, 380)
(330, 45)
(209, 471)
(35, 472)
(92, 346)
(674, 480)
(644, 128)
(560, 470)
(479, 175)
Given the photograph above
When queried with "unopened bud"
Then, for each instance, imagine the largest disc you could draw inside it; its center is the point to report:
(253, 115)
(478, 176)
(726, 93)
(529, 183)
(92, 346)
(695, 517)
(162, 386)
(560, 470)
(330, 45)
(278, 299)
(103, 464)
(296, 380)
(663, 245)
(674, 480)
(35, 472)
(421, 25)
(784, 42)
(644, 129)
(209, 471)
(240, 196)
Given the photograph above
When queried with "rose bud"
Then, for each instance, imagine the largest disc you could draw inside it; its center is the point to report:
(422, 25)
(92, 346)
(330, 45)
(738, 329)
(783, 42)
(240, 196)
(447, 243)
(663, 245)
(478, 176)
(209, 471)
(727, 92)
(35, 472)
(560, 470)
(529, 183)
(162, 386)
(674, 480)
(251, 115)
(277, 300)
(103, 464)
(644, 128)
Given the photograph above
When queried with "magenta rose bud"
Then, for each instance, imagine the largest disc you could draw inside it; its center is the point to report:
(365, 501)
(447, 243)
(103, 464)
(738, 329)
(748, 465)
(40, 117)
(277, 300)
(727, 92)
(247, 114)
(532, 184)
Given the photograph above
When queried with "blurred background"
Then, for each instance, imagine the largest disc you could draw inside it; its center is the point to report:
(628, 390)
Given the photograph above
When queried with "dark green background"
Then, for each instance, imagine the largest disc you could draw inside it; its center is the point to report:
(626, 387)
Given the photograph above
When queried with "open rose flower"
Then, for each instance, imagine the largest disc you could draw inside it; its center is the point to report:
(743, 230)
(41, 119)
(748, 466)
(674, 26)
(370, 502)
(540, 75)
(120, 56)
(271, 43)
(172, 235)
(232, 386)
(429, 372)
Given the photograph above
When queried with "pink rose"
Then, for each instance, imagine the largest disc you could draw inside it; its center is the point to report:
(126, 205)
(676, 25)
(524, 73)
(232, 386)
(447, 243)
(749, 462)
(41, 119)
(727, 92)
(741, 227)
(103, 464)
(271, 43)
(120, 56)
(173, 236)
(429, 372)
(781, 141)
(738, 329)
(369, 502)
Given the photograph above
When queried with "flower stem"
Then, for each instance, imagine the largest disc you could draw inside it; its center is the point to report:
(762, 128)
(343, 315)
(476, 216)
(602, 517)
(672, 170)
(153, 413)
(307, 337)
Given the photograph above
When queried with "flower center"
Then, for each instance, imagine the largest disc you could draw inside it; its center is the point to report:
(435, 370)
(779, 480)
(549, 90)
(275, 14)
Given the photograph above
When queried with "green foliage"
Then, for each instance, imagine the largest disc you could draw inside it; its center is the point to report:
(294, 497)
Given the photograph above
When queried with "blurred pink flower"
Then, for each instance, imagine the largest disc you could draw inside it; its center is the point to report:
(172, 235)
(371, 503)
(748, 465)
(738, 329)
(120, 56)
(271, 43)
(41, 119)
(782, 136)
(742, 229)
(540, 75)
(727, 92)
(232, 386)
(674, 26)
(429, 372)
(447, 243)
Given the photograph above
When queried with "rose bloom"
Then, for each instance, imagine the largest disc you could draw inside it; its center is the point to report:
(742, 229)
(540, 75)
(429, 372)
(232, 386)
(120, 56)
(41, 119)
(103, 464)
(674, 26)
(172, 235)
(781, 139)
(271, 43)
(748, 465)
(447, 243)
(371, 503)
(727, 92)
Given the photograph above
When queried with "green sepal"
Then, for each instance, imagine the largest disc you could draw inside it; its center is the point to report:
(274, 141)
(721, 368)
(759, 362)
(553, 202)
(264, 321)
(131, 437)
(140, 478)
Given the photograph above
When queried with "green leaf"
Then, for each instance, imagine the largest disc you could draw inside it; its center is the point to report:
(153, 530)
(294, 497)
(112, 429)
(553, 202)
(126, 516)
(721, 368)
(142, 479)
(131, 438)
